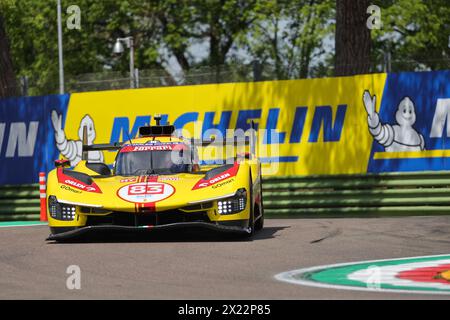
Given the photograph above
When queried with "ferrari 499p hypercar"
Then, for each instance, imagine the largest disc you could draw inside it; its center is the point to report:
(157, 182)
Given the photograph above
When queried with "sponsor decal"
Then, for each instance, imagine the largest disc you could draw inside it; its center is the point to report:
(215, 186)
(232, 172)
(69, 189)
(158, 147)
(72, 182)
(430, 274)
(128, 180)
(169, 179)
(146, 192)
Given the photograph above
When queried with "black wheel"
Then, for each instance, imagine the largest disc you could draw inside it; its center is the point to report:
(251, 224)
(259, 224)
(251, 218)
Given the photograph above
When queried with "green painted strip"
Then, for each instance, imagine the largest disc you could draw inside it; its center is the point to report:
(13, 194)
(353, 184)
(399, 175)
(26, 202)
(391, 193)
(375, 211)
(5, 210)
(20, 186)
(19, 217)
(360, 201)
(21, 224)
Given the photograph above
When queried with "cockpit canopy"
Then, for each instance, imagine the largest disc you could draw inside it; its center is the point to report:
(154, 158)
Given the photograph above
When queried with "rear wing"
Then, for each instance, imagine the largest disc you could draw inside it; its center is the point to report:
(96, 147)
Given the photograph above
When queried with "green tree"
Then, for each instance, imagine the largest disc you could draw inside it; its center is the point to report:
(8, 85)
(161, 30)
(216, 24)
(415, 32)
(290, 36)
(32, 28)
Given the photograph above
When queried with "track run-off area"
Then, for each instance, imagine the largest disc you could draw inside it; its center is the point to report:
(322, 258)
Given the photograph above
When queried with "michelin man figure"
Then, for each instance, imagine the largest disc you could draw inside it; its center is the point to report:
(399, 137)
(73, 149)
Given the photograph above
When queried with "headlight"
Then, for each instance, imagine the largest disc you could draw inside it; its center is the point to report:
(233, 204)
(60, 211)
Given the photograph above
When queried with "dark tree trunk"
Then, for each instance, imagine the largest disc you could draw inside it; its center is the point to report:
(308, 47)
(8, 84)
(353, 42)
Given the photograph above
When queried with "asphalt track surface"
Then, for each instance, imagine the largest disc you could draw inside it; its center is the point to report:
(188, 266)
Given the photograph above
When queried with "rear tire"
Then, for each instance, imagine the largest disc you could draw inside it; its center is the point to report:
(251, 225)
(251, 218)
(259, 224)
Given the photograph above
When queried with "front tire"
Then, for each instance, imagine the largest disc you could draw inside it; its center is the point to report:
(251, 218)
(259, 224)
(251, 224)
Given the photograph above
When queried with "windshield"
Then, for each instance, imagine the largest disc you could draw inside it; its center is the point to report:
(153, 162)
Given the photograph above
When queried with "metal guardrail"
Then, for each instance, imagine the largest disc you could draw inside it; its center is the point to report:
(19, 202)
(415, 193)
(356, 195)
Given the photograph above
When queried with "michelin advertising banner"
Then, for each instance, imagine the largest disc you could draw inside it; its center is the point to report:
(368, 123)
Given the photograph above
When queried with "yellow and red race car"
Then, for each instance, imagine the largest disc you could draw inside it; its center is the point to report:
(157, 182)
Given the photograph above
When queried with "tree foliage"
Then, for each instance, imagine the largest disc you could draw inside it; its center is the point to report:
(8, 85)
(416, 32)
(289, 38)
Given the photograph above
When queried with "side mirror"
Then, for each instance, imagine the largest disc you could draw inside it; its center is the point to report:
(62, 163)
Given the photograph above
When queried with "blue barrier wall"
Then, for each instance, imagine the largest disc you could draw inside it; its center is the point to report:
(27, 142)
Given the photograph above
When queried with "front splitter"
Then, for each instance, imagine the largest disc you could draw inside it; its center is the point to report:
(72, 234)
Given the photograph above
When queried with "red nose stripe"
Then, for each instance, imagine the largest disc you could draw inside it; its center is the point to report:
(148, 206)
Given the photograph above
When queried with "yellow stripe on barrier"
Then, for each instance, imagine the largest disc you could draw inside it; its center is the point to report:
(412, 154)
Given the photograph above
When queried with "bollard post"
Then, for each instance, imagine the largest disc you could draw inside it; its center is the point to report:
(43, 196)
